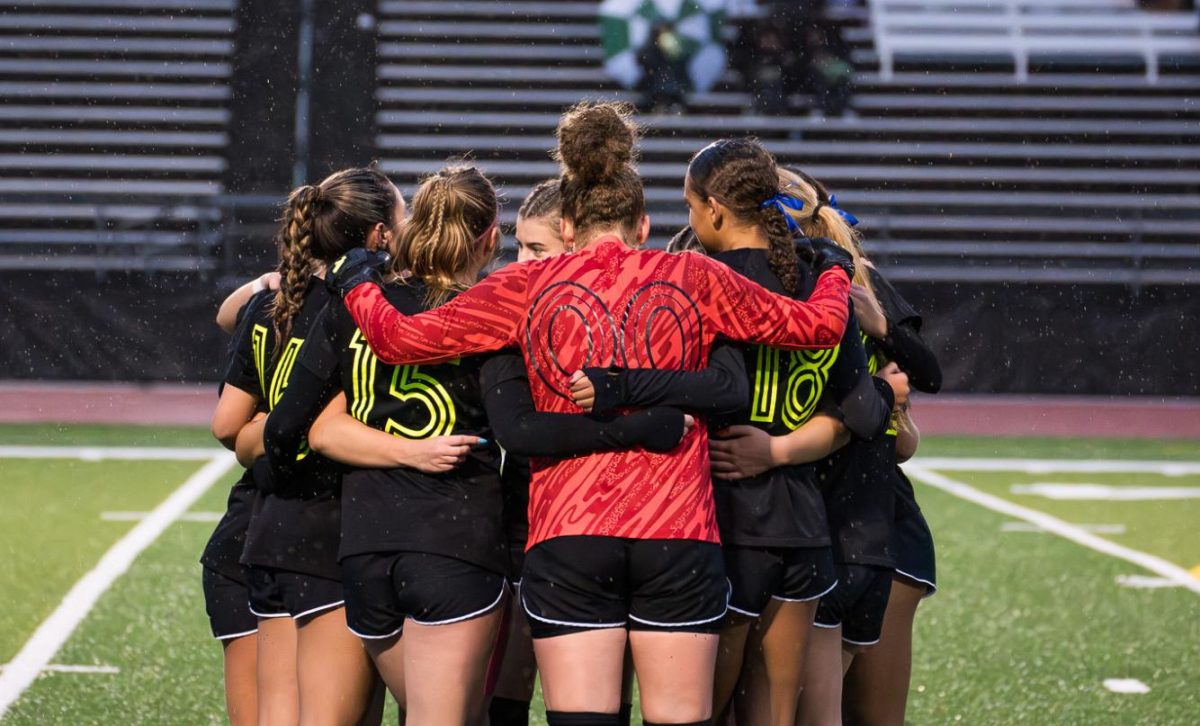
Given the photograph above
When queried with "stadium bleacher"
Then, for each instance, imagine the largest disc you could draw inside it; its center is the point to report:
(112, 132)
(1057, 176)
(962, 168)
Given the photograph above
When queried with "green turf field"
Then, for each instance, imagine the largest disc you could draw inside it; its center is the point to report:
(1026, 628)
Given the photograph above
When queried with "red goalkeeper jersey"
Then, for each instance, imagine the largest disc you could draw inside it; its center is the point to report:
(609, 305)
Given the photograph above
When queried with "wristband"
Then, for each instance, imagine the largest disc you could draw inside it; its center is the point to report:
(257, 286)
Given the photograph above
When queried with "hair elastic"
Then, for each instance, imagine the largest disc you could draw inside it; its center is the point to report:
(850, 218)
(784, 202)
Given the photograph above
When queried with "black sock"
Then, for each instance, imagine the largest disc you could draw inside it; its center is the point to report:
(625, 715)
(581, 718)
(508, 712)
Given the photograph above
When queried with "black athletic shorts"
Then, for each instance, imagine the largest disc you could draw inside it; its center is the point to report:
(857, 603)
(227, 603)
(516, 561)
(385, 588)
(577, 583)
(792, 574)
(278, 593)
(915, 557)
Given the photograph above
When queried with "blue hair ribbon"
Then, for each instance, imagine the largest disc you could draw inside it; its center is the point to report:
(784, 202)
(850, 218)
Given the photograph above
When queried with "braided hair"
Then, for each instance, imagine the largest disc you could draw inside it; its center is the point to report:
(452, 211)
(819, 218)
(320, 223)
(742, 175)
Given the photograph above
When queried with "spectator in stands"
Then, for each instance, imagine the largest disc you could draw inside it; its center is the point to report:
(795, 48)
(830, 73)
(770, 58)
(664, 67)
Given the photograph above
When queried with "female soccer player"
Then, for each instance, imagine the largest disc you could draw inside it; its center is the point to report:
(773, 530)
(870, 515)
(423, 552)
(538, 235)
(621, 539)
(310, 669)
(226, 594)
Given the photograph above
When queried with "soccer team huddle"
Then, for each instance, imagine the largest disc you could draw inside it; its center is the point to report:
(595, 464)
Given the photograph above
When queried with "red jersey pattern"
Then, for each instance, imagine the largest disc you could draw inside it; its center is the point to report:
(609, 305)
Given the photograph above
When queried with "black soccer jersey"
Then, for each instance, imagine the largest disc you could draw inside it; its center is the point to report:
(905, 346)
(455, 514)
(866, 492)
(297, 526)
(223, 552)
(783, 507)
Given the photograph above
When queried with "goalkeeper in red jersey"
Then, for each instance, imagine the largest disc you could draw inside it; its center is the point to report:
(622, 545)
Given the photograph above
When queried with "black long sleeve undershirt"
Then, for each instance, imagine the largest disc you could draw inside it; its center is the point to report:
(287, 425)
(862, 404)
(721, 389)
(524, 431)
(904, 345)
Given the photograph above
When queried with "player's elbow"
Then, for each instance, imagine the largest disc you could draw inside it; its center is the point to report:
(225, 431)
(320, 437)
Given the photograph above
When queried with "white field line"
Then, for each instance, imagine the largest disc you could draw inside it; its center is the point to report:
(100, 453)
(57, 668)
(1064, 466)
(1093, 528)
(1126, 685)
(138, 516)
(1145, 582)
(35, 655)
(1055, 525)
(1090, 492)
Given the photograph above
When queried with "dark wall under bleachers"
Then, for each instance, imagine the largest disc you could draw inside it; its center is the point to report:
(991, 338)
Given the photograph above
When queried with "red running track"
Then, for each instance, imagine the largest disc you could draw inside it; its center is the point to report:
(975, 415)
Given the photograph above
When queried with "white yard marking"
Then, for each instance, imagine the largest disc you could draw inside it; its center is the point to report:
(1126, 685)
(1055, 525)
(1061, 466)
(46, 641)
(1145, 582)
(1093, 528)
(57, 668)
(1086, 491)
(138, 516)
(101, 453)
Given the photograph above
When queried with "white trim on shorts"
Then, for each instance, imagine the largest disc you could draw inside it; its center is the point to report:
(468, 616)
(728, 595)
(376, 637)
(588, 626)
(806, 599)
(826, 627)
(858, 642)
(231, 636)
(265, 615)
(678, 625)
(739, 611)
(318, 609)
(930, 588)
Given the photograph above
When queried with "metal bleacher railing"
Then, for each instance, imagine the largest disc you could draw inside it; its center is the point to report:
(1025, 29)
(1071, 177)
(114, 128)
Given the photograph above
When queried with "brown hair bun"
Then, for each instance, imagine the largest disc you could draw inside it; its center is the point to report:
(596, 140)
